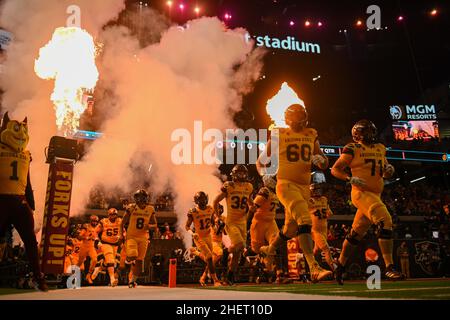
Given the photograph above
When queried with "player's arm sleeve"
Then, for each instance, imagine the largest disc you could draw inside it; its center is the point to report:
(219, 198)
(189, 221)
(344, 161)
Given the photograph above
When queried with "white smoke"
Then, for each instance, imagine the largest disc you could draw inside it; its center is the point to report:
(196, 72)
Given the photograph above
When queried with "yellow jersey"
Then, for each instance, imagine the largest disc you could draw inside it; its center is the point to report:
(295, 150)
(202, 220)
(90, 234)
(367, 163)
(238, 196)
(320, 211)
(267, 203)
(139, 221)
(110, 230)
(14, 168)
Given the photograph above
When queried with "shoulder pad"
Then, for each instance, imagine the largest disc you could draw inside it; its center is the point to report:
(312, 132)
(350, 148)
(264, 192)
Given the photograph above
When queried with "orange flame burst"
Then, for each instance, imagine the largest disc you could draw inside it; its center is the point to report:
(277, 105)
(69, 59)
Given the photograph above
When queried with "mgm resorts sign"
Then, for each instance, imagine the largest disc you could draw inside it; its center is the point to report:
(413, 112)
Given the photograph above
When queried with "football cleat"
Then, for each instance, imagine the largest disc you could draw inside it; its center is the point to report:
(132, 285)
(393, 274)
(202, 281)
(229, 280)
(40, 284)
(318, 273)
(339, 273)
(217, 284)
(89, 278)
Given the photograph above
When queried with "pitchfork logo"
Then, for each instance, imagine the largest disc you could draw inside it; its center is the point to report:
(396, 112)
(428, 256)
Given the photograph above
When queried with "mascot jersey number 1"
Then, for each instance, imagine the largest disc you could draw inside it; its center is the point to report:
(16, 194)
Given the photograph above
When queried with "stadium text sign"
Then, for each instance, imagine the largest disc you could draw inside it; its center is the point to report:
(288, 43)
(56, 216)
(413, 112)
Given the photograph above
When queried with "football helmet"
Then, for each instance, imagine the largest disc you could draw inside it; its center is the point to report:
(93, 219)
(112, 214)
(364, 131)
(296, 117)
(239, 173)
(141, 197)
(201, 200)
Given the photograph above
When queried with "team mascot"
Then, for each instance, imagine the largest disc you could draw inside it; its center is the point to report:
(16, 194)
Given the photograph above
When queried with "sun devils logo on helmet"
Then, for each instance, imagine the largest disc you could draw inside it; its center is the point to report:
(427, 256)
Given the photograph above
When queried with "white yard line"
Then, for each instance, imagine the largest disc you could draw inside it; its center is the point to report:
(386, 290)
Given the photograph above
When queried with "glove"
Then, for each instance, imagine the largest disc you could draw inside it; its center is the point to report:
(357, 182)
(318, 160)
(388, 171)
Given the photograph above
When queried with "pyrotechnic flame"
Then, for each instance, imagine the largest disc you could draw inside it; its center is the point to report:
(69, 59)
(277, 105)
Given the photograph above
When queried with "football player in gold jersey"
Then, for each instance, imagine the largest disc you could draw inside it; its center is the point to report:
(264, 229)
(320, 212)
(201, 216)
(139, 218)
(108, 230)
(367, 161)
(16, 194)
(88, 236)
(294, 150)
(238, 198)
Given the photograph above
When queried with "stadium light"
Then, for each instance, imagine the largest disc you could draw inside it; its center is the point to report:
(181, 6)
(307, 23)
(197, 10)
(169, 3)
(291, 23)
(418, 179)
(319, 24)
(400, 18)
(433, 12)
(359, 23)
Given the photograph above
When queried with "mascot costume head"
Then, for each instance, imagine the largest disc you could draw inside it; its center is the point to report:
(14, 134)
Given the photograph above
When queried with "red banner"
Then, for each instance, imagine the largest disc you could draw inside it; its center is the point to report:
(56, 216)
(295, 265)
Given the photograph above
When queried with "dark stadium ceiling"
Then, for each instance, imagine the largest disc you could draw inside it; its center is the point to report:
(361, 72)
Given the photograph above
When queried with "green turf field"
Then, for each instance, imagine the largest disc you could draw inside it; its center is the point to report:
(413, 289)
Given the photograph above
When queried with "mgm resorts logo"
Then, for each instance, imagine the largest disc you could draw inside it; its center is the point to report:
(413, 112)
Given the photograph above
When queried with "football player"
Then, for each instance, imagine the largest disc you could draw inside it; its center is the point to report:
(264, 229)
(320, 212)
(238, 198)
(108, 230)
(88, 236)
(295, 149)
(201, 216)
(16, 193)
(367, 160)
(139, 218)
